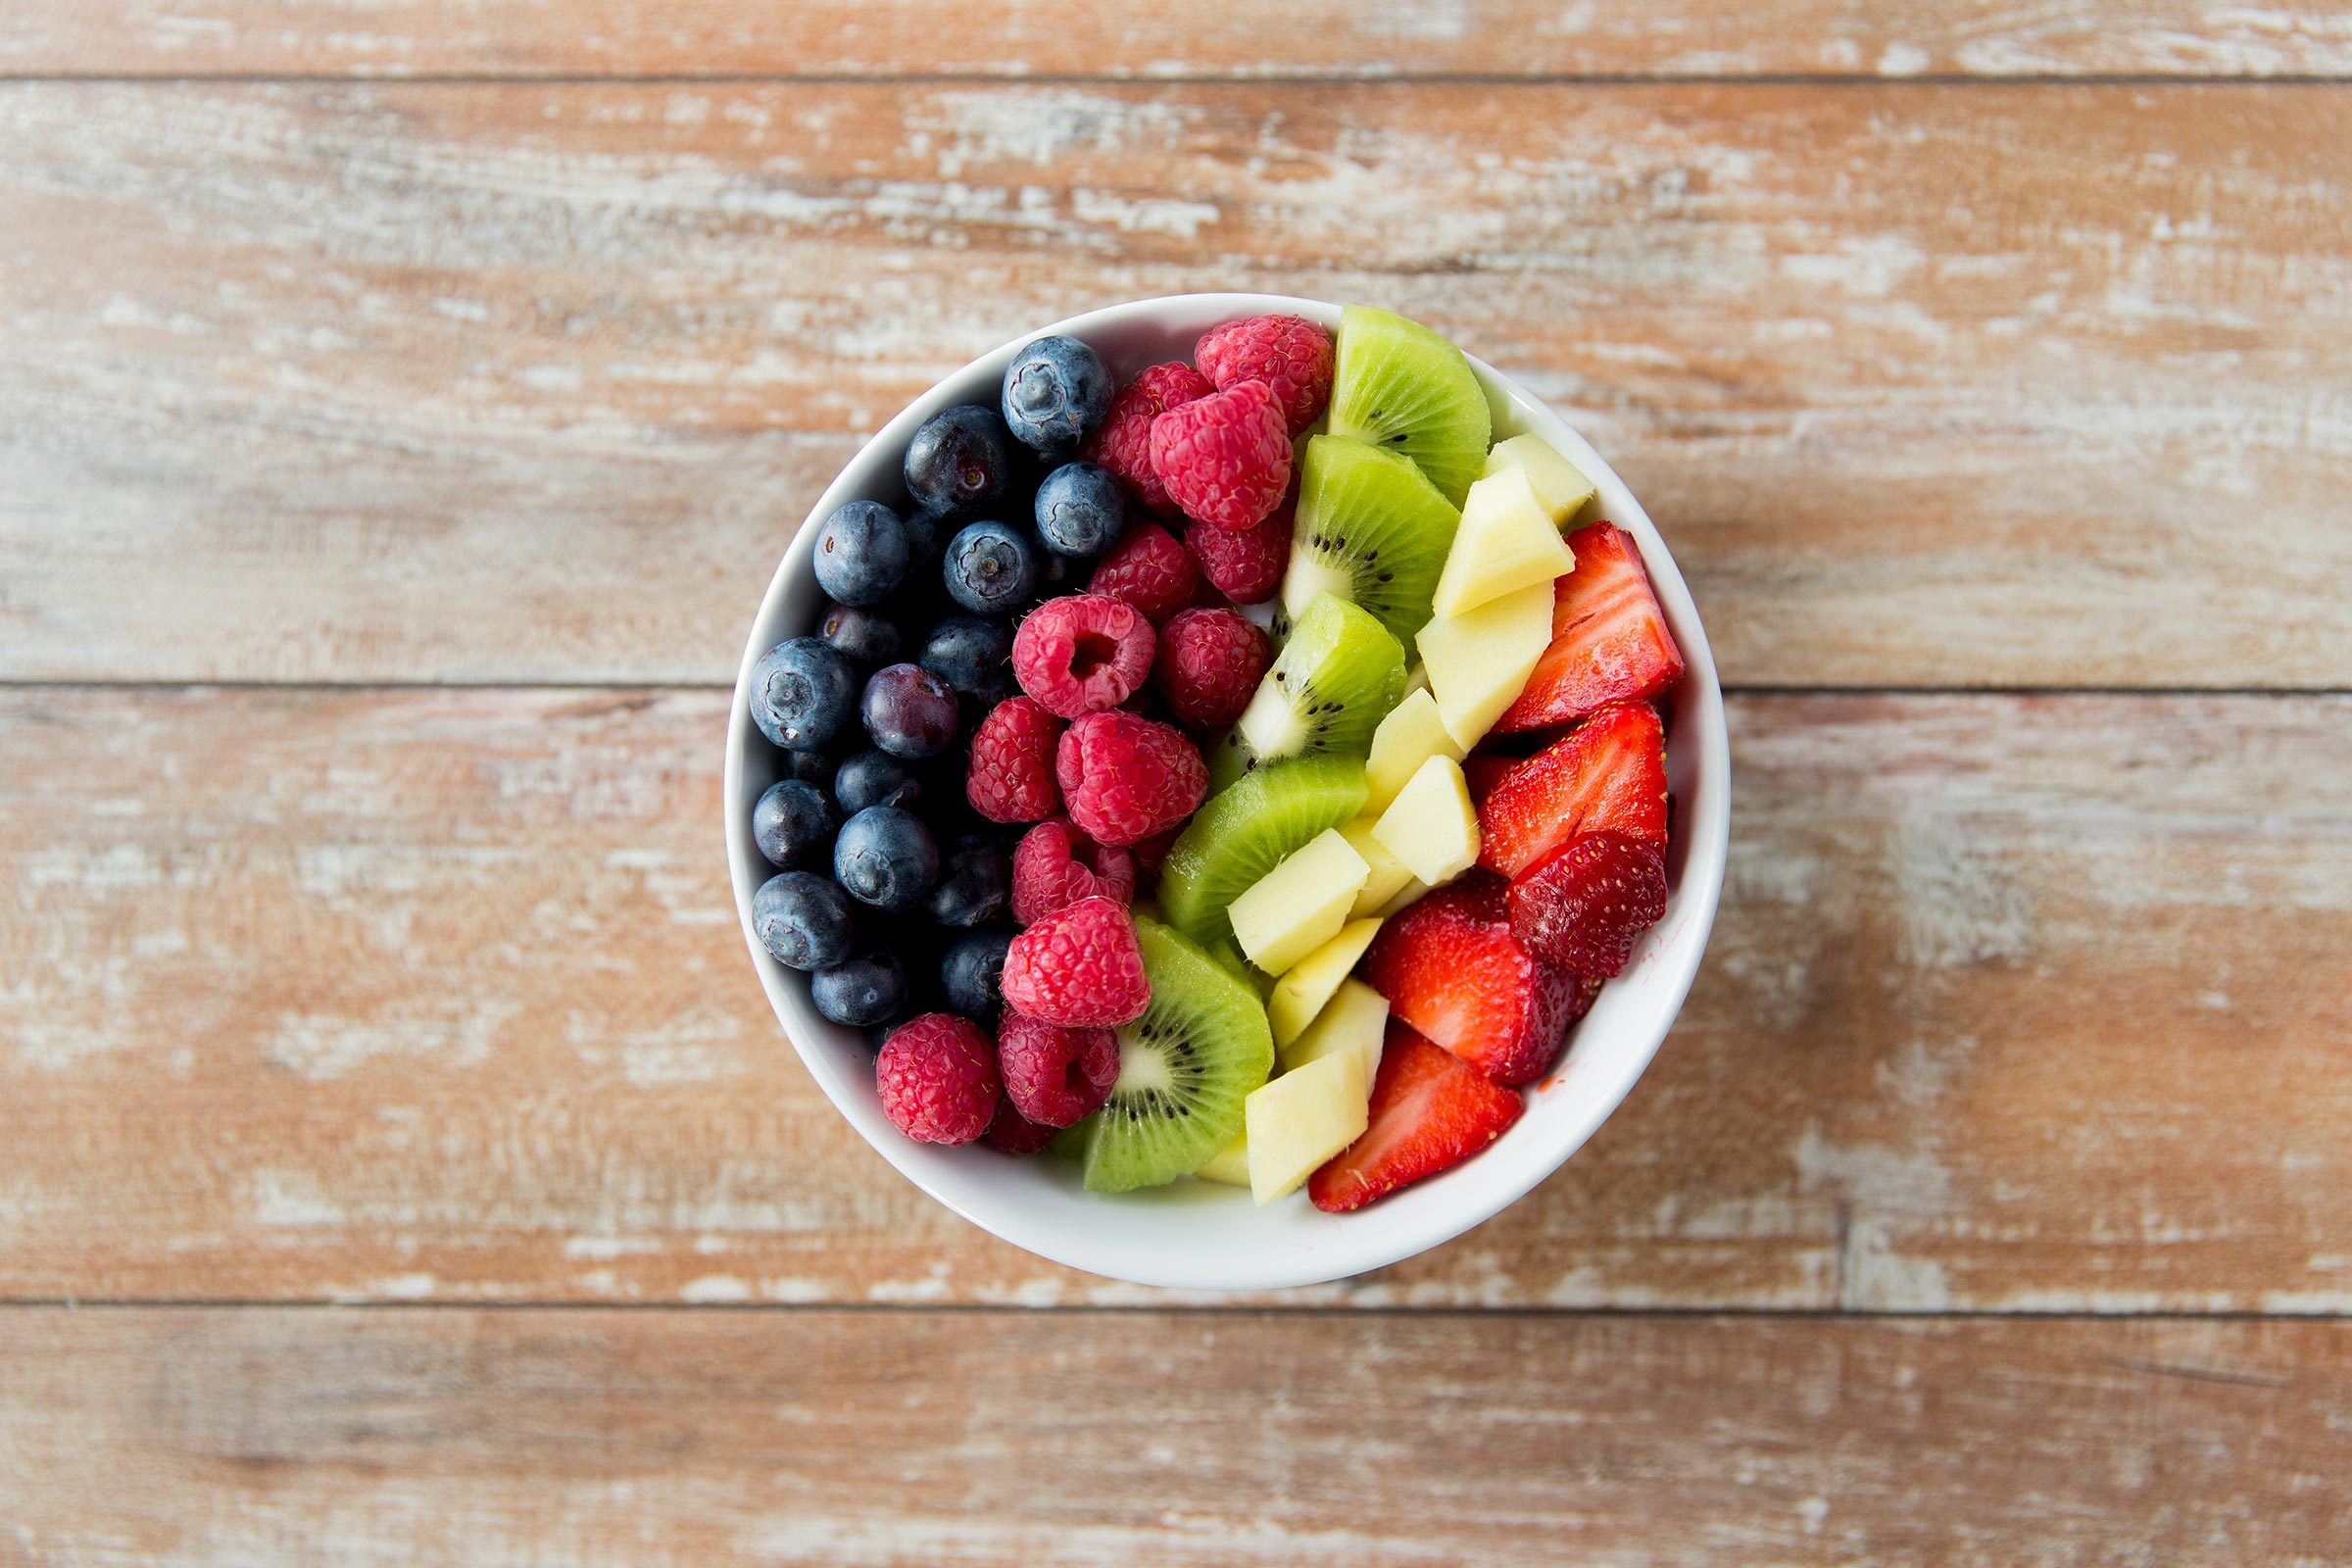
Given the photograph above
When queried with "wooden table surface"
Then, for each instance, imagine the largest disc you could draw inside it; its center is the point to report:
(404, 402)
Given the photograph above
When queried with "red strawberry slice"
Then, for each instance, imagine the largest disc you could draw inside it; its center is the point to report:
(1609, 774)
(1430, 1112)
(1609, 642)
(1483, 771)
(1584, 906)
(1450, 967)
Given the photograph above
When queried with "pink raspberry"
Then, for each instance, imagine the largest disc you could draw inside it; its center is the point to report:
(1010, 775)
(1126, 779)
(938, 1078)
(1081, 653)
(1079, 967)
(1055, 1077)
(1211, 662)
(1226, 458)
(1244, 564)
(1150, 570)
(1291, 353)
(1055, 866)
(1149, 852)
(1123, 444)
(1014, 1133)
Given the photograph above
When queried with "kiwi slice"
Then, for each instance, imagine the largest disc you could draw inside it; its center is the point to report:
(1371, 530)
(1401, 387)
(1334, 681)
(1185, 1068)
(1245, 831)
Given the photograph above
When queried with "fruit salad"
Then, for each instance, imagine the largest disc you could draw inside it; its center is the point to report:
(1249, 774)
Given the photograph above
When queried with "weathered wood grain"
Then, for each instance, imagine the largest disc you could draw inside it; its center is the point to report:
(2013, 1003)
(1129, 39)
(265, 1436)
(2041, 386)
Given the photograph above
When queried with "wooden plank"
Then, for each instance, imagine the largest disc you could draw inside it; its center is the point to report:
(1927, 387)
(1207, 38)
(269, 1437)
(2013, 1003)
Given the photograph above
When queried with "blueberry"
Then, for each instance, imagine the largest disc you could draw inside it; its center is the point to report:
(874, 777)
(975, 883)
(863, 991)
(802, 692)
(861, 553)
(811, 767)
(971, 655)
(885, 857)
(971, 973)
(1081, 510)
(926, 535)
(793, 824)
(1056, 390)
(961, 458)
(991, 568)
(869, 636)
(909, 712)
(802, 919)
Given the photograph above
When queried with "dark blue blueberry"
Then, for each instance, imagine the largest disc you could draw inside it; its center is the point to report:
(802, 693)
(811, 767)
(971, 655)
(860, 992)
(960, 460)
(885, 857)
(870, 636)
(793, 824)
(874, 777)
(909, 712)
(861, 553)
(926, 536)
(975, 883)
(1059, 574)
(802, 919)
(1056, 390)
(991, 568)
(1081, 510)
(972, 974)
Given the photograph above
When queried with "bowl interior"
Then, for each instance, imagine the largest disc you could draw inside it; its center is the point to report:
(1192, 1233)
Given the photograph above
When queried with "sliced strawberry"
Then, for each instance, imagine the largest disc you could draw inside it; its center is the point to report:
(1584, 906)
(1609, 642)
(1450, 967)
(1430, 1112)
(1482, 771)
(1609, 772)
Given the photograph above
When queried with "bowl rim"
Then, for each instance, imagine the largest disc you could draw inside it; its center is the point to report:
(1369, 1238)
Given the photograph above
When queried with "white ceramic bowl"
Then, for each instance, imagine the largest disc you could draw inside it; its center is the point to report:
(1193, 1235)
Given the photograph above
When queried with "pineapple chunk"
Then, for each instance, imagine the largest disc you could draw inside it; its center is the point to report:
(1230, 1165)
(1300, 994)
(1562, 489)
(1356, 1020)
(1300, 905)
(1301, 1120)
(1389, 875)
(1410, 735)
(1507, 541)
(1416, 679)
(1479, 662)
(1432, 827)
(1403, 898)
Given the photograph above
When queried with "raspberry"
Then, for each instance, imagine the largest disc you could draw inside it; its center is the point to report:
(1126, 779)
(1209, 665)
(1082, 654)
(1055, 1077)
(937, 1079)
(1011, 776)
(1123, 444)
(1244, 564)
(1055, 866)
(1080, 967)
(1150, 570)
(1149, 852)
(1291, 353)
(1225, 458)
(1014, 1133)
